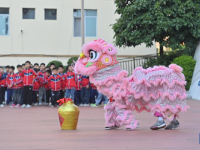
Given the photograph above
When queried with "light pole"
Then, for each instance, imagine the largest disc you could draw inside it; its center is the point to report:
(82, 22)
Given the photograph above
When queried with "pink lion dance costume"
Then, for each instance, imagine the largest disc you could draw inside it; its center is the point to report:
(159, 90)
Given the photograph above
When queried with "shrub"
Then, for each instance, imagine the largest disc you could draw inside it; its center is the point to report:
(71, 60)
(164, 60)
(57, 63)
(188, 65)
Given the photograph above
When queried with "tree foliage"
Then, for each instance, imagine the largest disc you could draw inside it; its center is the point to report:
(71, 60)
(169, 22)
(188, 65)
(57, 63)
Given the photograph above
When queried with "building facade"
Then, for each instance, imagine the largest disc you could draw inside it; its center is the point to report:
(46, 30)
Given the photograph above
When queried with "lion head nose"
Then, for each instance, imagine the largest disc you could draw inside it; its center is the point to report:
(85, 61)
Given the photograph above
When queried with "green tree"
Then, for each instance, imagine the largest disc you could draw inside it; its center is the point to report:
(71, 60)
(169, 22)
(57, 63)
(188, 65)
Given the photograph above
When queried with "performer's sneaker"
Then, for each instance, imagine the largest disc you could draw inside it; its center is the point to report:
(173, 125)
(110, 128)
(158, 125)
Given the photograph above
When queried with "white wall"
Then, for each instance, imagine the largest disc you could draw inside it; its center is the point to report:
(194, 91)
(55, 37)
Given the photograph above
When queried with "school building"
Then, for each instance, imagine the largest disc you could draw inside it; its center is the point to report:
(46, 30)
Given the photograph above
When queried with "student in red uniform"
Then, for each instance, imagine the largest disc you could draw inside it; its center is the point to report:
(28, 78)
(48, 86)
(18, 87)
(78, 89)
(93, 94)
(55, 81)
(63, 84)
(85, 91)
(70, 83)
(36, 86)
(42, 79)
(3, 84)
(10, 84)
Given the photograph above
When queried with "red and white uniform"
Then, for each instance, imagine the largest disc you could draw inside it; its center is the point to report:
(78, 82)
(18, 80)
(55, 81)
(36, 85)
(28, 76)
(70, 80)
(42, 77)
(10, 80)
(63, 84)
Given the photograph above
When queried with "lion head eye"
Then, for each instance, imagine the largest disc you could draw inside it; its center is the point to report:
(110, 49)
(93, 55)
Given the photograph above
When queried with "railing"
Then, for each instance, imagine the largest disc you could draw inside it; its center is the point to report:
(129, 64)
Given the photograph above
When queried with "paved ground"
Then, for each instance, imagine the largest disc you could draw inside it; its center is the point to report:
(38, 129)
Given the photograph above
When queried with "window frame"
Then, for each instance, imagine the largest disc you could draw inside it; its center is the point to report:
(51, 19)
(8, 23)
(29, 8)
(85, 22)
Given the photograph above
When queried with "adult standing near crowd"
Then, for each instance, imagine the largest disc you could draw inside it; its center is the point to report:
(3, 84)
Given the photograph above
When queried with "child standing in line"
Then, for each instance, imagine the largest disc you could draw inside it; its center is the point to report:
(18, 88)
(70, 83)
(48, 87)
(36, 86)
(78, 90)
(42, 89)
(85, 91)
(55, 81)
(93, 94)
(10, 84)
(63, 84)
(28, 75)
(3, 84)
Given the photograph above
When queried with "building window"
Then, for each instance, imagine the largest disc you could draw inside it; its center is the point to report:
(28, 13)
(4, 21)
(50, 14)
(90, 23)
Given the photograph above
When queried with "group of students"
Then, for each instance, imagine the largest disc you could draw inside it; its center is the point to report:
(41, 85)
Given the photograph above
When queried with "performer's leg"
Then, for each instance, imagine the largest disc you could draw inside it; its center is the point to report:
(173, 124)
(125, 117)
(110, 117)
(160, 123)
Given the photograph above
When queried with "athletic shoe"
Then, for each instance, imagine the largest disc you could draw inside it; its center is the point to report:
(158, 125)
(40, 104)
(100, 105)
(173, 125)
(52, 106)
(28, 106)
(129, 129)
(2, 105)
(13, 105)
(81, 105)
(105, 104)
(94, 105)
(36, 104)
(86, 105)
(110, 128)
(23, 106)
(17, 106)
